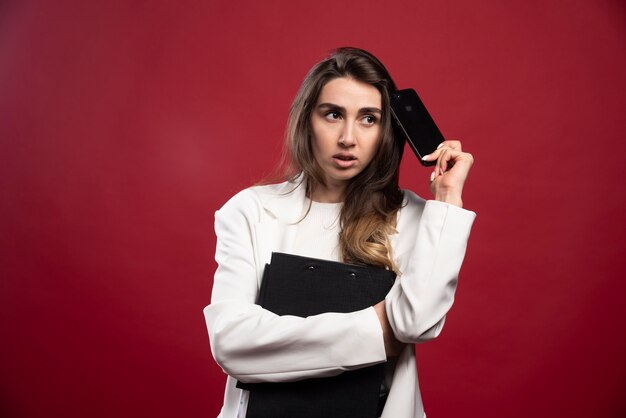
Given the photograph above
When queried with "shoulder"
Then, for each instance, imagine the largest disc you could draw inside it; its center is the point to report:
(251, 202)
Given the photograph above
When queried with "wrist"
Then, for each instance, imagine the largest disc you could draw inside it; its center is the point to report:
(453, 198)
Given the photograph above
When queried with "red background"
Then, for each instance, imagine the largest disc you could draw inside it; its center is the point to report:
(125, 124)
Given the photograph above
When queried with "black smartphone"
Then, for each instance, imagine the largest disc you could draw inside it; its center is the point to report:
(415, 123)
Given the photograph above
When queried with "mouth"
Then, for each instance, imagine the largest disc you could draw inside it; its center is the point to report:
(344, 159)
(344, 156)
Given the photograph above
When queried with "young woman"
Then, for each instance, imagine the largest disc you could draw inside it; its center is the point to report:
(341, 202)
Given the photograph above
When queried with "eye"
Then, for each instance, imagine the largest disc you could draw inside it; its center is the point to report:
(332, 115)
(369, 119)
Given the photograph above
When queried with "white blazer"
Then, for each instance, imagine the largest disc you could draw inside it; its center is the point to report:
(252, 344)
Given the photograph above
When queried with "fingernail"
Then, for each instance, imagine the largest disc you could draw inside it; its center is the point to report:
(440, 145)
(425, 157)
(432, 176)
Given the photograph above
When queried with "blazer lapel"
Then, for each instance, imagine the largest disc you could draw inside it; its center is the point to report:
(284, 206)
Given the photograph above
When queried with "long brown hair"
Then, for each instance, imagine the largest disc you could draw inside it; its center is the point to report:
(373, 197)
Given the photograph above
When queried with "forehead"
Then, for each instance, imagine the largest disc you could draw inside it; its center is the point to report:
(350, 93)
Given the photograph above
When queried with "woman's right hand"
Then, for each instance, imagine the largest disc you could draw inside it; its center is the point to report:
(450, 173)
(393, 347)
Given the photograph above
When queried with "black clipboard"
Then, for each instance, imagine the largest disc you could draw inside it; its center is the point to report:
(303, 286)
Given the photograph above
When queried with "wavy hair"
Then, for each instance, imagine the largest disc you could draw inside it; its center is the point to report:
(373, 197)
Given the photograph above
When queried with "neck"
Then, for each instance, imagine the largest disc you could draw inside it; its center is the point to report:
(328, 194)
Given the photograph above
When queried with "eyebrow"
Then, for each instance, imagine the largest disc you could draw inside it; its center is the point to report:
(343, 109)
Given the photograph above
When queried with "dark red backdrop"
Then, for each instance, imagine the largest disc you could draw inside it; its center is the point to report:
(124, 125)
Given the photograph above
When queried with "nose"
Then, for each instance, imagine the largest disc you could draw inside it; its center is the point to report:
(347, 135)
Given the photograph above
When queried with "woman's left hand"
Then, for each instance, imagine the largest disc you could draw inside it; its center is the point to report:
(450, 173)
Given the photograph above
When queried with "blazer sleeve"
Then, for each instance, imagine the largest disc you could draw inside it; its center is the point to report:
(255, 345)
(429, 250)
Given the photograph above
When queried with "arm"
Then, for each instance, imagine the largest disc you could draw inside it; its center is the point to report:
(393, 347)
(430, 247)
(255, 345)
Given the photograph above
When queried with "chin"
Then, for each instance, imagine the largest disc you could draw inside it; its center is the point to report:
(346, 177)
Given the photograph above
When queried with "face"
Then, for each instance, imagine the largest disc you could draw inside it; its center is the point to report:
(346, 128)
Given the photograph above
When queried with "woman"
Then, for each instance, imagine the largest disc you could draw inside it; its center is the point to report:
(341, 202)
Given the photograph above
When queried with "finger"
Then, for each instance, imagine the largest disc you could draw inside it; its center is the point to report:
(444, 162)
(431, 157)
(438, 163)
(433, 174)
(439, 166)
(463, 160)
(451, 143)
(454, 144)
(436, 167)
(436, 153)
(448, 158)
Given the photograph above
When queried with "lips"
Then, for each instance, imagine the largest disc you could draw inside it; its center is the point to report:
(344, 156)
(344, 159)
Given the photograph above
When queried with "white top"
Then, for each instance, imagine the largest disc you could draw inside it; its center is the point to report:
(252, 344)
(318, 232)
